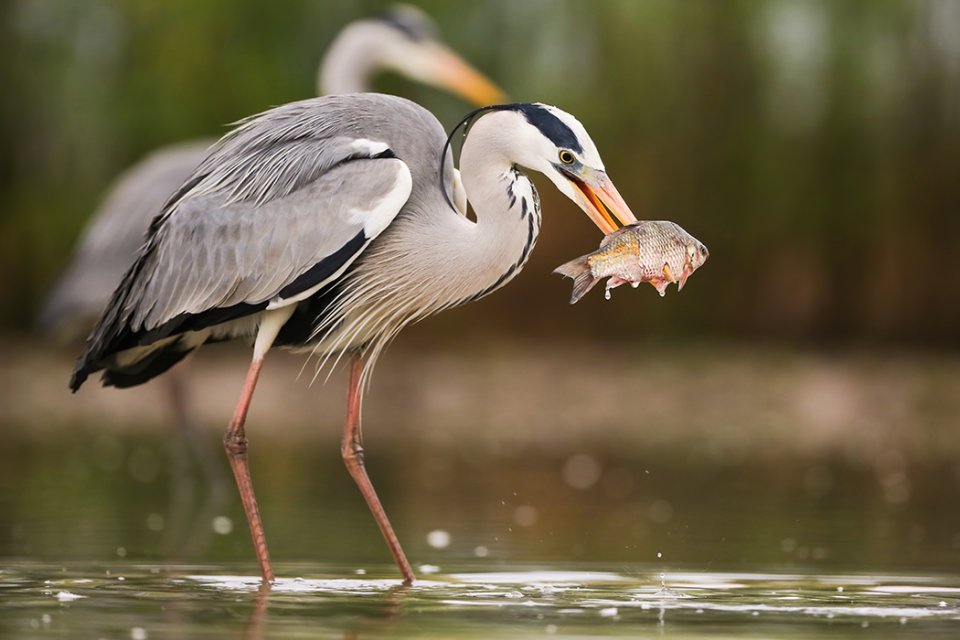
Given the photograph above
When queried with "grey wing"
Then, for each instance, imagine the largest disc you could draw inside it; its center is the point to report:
(243, 255)
(109, 243)
(281, 206)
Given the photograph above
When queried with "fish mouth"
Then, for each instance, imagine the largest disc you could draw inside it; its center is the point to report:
(601, 201)
(690, 265)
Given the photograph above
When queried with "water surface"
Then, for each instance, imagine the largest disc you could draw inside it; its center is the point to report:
(110, 535)
(129, 600)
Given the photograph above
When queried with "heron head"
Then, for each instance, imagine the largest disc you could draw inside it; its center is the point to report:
(405, 40)
(553, 142)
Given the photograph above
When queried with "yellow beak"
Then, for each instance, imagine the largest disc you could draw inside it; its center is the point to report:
(602, 202)
(453, 73)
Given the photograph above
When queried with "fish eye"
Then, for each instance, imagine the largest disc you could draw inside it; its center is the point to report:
(567, 157)
(703, 251)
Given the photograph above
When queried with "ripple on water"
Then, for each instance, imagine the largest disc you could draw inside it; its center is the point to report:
(573, 592)
(582, 603)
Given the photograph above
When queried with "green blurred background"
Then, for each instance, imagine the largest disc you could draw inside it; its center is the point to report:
(812, 145)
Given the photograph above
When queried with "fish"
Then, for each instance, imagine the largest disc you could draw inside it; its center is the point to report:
(656, 251)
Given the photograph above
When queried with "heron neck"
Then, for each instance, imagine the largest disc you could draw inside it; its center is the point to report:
(349, 63)
(504, 202)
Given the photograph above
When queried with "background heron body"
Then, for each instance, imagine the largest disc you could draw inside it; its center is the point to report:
(110, 241)
(325, 224)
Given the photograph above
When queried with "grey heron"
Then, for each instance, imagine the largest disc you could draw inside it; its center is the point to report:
(329, 225)
(403, 39)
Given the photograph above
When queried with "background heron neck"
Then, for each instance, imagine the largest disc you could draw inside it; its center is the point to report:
(350, 61)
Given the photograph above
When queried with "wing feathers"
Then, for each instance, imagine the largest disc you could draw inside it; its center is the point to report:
(263, 222)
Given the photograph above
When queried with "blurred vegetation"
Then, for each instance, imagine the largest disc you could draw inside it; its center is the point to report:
(814, 146)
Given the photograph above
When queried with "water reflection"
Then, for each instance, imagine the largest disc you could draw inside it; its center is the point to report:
(75, 498)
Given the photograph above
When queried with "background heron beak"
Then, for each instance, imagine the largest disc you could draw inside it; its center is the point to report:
(602, 202)
(450, 71)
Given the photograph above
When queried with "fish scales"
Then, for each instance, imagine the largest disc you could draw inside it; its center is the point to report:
(656, 251)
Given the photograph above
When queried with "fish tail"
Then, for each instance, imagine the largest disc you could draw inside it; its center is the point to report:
(583, 279)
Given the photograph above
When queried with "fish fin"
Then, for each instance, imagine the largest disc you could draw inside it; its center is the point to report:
(583, 280)
(667, 273)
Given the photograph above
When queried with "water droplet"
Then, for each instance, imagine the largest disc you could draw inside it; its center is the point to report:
(581, 471)
(222, 525)
(481, 551)
(155, 522)
(525, 516)
(606, 294)
(438, 539)
(839, 589)
(659, 555)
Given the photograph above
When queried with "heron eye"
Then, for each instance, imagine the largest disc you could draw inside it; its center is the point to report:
(567, 157)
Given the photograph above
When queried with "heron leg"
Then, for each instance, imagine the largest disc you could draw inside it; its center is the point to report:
(235, 442)
(351, 449)
(235, 437)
